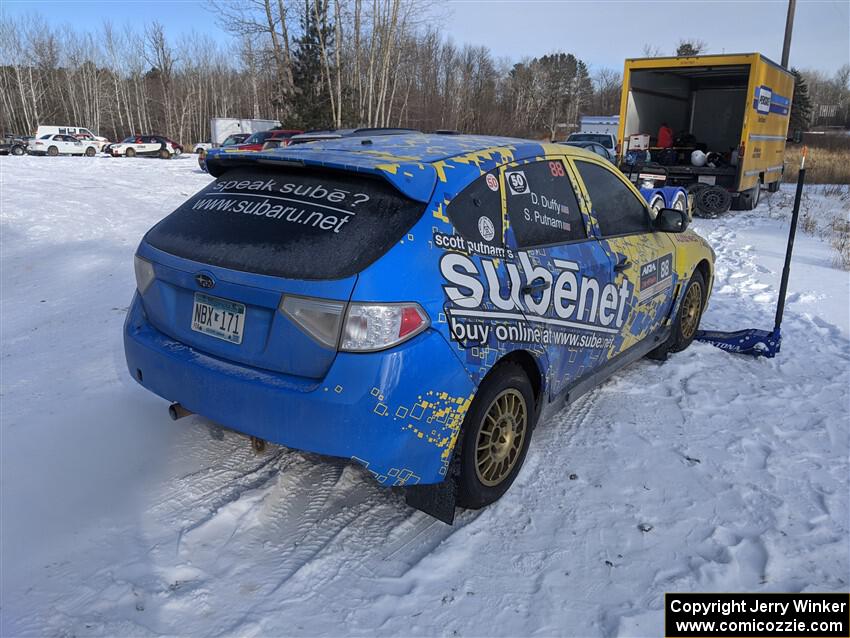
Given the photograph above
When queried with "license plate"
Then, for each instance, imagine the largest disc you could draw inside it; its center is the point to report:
(711, 180)
(218, 318)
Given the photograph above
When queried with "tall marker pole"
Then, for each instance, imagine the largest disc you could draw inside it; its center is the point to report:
(786, 270)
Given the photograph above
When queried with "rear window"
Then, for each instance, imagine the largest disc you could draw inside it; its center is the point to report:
(259, 138)
(294, 224)
(605, 140)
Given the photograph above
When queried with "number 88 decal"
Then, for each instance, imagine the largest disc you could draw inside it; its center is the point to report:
(557, 169)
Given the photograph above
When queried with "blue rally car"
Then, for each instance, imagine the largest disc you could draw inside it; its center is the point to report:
(409, 302)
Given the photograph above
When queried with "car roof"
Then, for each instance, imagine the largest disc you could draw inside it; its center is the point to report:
(412, 162)
(336, 133)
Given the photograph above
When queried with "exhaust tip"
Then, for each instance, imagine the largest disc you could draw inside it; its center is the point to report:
(177, 411)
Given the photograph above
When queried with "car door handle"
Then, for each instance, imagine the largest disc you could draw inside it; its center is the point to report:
(623, 264)
(534, 286)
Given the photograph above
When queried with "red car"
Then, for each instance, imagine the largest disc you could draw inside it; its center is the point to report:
(257, 140)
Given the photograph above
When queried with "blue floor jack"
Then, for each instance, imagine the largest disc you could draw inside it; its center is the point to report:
(763, 343)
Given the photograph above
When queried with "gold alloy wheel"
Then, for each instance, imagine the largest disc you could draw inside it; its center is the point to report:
(501, 437)
(691, 307)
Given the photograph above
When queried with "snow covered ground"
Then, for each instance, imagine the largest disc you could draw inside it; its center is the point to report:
(710, 472)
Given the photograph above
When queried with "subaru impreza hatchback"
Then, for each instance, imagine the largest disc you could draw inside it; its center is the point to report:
(409, 302)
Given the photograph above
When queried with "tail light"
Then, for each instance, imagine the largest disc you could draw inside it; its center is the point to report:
(319, 318)
(741, 149)
(370, 327)
(357, 327)
(144, 273)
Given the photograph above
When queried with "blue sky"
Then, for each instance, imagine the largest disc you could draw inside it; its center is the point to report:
(601, 32)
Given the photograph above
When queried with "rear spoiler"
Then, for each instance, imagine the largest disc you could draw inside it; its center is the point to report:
(415, 180)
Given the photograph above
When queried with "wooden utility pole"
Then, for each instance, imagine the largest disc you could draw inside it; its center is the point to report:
(789, 26)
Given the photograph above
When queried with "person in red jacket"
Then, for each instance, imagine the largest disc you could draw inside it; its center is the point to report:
(665, 136)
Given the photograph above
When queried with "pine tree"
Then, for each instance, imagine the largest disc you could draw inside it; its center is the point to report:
(690, 48)
(312, 102)
(801, 105)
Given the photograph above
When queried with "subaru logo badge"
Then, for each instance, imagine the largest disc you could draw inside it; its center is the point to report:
(205, 281)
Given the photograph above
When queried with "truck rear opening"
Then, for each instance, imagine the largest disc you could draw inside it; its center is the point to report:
(732, 108)
(705, 108)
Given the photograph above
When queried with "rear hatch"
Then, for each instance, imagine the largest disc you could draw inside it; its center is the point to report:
(255, 235)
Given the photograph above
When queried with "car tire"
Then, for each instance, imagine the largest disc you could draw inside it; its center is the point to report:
(164, 154)
(90, 152)
(53, 151)
(496, 434)
(688, 317)
(712, 201)
(680, 202)
(18, 150)
(693, 189)
(656, 203)
(130, 152)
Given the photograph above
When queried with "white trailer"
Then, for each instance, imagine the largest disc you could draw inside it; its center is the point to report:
(603, 124)
(222, 127)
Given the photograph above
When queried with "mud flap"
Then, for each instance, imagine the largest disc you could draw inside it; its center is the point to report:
(437, 500)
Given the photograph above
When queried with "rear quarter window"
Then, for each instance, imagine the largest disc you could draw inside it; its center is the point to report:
(296, 224)
(476, 212)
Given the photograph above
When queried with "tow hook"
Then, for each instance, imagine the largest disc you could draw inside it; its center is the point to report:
(177, 411)
(258, 444)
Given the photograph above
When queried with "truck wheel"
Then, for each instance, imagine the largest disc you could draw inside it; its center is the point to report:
(712, 201)
(53, 151)
(131, 152)
(90, 152)
(496, 434)
(749, 199)
(773, 187)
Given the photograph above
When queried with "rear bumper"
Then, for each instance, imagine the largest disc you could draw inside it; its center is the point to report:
(396, 412)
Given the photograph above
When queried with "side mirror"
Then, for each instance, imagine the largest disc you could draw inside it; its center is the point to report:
(671, 220)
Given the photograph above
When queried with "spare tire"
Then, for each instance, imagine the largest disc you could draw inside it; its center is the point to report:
(680, 202)
(712, 201)
(656, 203)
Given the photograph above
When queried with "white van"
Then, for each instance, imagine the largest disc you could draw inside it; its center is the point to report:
(80, 132)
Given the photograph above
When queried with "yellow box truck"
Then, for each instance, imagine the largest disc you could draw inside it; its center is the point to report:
(726, 120)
